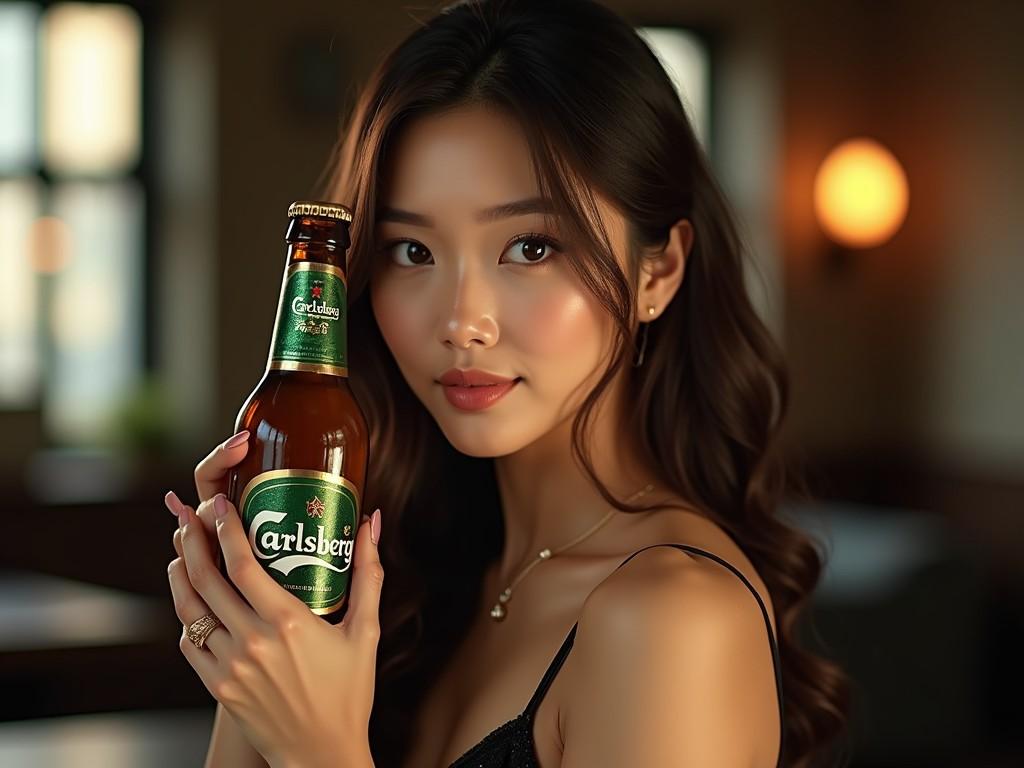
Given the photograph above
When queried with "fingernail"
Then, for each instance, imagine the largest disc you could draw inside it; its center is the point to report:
(237, 440)
(220, 507)
(183, 516)
(375, 526)
(172, 502)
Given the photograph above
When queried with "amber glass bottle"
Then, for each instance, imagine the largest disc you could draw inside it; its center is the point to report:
(298, 490)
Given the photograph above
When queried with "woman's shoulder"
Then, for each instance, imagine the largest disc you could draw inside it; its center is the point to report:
(682, 640)
(663, 586)
(654, 575)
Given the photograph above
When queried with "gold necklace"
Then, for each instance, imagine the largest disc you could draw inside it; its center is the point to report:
(498, 612)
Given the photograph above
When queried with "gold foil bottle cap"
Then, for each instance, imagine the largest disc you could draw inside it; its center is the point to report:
(320, 209)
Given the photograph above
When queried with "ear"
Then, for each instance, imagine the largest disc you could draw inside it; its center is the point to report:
(661, 271)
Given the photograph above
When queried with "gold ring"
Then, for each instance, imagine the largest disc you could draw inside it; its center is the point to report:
(201, 628)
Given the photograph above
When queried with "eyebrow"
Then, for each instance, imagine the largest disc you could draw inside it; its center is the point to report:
(504, 211)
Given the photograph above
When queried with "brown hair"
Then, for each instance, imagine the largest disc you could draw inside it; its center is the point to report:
(600, 115)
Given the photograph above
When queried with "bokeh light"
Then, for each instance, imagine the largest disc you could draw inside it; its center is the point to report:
(861, 194)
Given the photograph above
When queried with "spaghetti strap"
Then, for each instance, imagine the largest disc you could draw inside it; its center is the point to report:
(563, 651)
(550, 673)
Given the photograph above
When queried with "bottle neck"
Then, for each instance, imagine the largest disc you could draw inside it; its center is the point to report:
(319, 253)
(311, 328)
(323, 240)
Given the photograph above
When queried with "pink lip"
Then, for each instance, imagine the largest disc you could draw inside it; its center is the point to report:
(473, 389)
(471, 377)
(479, 397)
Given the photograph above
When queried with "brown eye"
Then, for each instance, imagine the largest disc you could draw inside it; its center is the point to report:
(533, 249)
(416, 253)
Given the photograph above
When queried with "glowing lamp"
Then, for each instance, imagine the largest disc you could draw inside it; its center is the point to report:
(860, 194)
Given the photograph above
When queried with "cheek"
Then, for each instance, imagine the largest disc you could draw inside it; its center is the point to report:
(401, 324)
(560, 323)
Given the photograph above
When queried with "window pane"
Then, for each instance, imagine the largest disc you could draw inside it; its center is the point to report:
(19, 357)
(95, 309)
(685, 58)
(92, 57)
(17, 78)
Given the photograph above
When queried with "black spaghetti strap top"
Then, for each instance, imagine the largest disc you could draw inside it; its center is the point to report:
(511, 745)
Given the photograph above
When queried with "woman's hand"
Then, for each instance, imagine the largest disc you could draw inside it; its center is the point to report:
(300, 689)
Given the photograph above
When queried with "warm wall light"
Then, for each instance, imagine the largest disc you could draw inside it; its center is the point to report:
(860, 194)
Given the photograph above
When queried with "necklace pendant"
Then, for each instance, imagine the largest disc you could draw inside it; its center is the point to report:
(498, 612)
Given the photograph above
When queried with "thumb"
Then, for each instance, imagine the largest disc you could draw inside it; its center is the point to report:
(363, 616)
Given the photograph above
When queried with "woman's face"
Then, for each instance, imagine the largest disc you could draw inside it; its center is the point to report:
(455, 289)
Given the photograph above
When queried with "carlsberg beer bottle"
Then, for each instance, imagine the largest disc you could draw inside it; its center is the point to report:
(299, 487)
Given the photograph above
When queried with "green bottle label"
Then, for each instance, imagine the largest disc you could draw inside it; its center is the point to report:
(301, 525)
(310, 331)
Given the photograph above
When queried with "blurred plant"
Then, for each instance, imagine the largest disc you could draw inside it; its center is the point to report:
(144, 423)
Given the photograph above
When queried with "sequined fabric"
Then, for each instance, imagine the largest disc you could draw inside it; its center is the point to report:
(507, 746)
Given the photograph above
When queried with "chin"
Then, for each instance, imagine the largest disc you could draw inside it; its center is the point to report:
(486, 439)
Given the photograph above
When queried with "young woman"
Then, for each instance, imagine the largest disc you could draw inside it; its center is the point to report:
(574, 412)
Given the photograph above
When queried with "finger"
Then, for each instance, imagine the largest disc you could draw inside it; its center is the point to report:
(175, 504)
(363, 616)
(205, 664)
(212, 472)
(269, 599)
(189, 606)
(207, 580)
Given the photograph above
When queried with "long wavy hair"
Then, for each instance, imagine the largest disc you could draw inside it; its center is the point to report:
(600, 115)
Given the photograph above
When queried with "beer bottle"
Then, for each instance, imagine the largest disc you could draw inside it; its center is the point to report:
(298, 489)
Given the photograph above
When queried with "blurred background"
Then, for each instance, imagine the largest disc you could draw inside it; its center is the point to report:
(873, 151)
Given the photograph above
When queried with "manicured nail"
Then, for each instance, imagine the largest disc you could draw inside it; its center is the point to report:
(172, 502)
(375, 526)
(237, 440)
(183, 516)
(220, 506)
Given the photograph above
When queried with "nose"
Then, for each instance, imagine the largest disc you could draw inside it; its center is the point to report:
(469, 317)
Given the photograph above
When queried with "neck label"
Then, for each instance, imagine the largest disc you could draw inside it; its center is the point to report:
(310, 333)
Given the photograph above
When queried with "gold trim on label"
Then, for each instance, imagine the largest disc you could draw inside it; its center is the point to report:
(314, 474)
(336, 607)
(316, 266)
(290, 365)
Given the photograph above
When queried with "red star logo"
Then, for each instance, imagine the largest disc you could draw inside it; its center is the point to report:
(315, 507)
(317, 290)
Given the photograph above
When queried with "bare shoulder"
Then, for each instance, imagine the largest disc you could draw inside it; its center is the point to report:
(660, 578)
(666, 592)
(672, 667)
